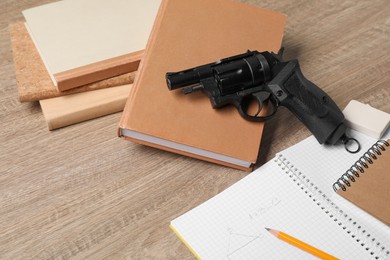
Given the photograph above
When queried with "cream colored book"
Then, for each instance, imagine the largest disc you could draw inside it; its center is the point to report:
(83, 41)
(32, 79)
(71, 109)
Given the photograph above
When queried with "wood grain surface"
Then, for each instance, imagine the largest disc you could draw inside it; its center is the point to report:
(81, 192)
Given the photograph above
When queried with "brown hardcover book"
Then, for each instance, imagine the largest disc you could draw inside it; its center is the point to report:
(371, 190)
(188, 34)
(34, 82)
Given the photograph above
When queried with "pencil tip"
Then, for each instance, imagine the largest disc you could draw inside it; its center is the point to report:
(268, 229)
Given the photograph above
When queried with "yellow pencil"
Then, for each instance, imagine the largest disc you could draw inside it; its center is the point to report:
(302, 245)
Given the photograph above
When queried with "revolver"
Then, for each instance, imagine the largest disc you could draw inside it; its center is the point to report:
(264, 78)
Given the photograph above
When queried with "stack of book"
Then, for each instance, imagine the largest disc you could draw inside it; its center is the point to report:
(79, 58)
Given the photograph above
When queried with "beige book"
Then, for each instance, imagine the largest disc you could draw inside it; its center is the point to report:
(33, 81)
(188, 34)
(76, 108)
(83, 41)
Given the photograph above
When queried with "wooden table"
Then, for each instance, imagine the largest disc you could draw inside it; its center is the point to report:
(81, 192)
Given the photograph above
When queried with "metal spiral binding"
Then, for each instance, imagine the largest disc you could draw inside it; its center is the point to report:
(351, 227)
(360, 166)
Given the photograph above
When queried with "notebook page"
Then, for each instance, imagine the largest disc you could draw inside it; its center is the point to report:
(231, 225)
(323, 165)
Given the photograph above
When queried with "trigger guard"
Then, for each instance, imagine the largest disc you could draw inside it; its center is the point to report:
(260, 97)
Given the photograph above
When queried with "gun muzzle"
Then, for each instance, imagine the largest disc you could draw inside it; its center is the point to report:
(181, 79)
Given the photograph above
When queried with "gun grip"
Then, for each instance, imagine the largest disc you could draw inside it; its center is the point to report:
(312, 106)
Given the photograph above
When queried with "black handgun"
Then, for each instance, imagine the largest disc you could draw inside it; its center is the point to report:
(258, 77)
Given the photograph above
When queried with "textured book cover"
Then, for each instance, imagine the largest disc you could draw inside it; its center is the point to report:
(368, 186)
(188, 34)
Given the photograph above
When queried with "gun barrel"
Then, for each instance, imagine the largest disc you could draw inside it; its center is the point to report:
(181, 79)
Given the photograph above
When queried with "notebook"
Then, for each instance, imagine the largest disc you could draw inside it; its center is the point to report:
(293, 193)
(84, 41)
(188, 34)
(367, 182)
(32, 79)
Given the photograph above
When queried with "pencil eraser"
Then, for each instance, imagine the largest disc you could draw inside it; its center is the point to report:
(366, 119)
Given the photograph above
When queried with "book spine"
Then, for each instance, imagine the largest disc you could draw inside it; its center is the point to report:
(64, 111)
(355, 230)
(145, 59)
(361, 165)
(98, 71)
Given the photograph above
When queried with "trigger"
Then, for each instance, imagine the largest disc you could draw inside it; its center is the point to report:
(261, 97)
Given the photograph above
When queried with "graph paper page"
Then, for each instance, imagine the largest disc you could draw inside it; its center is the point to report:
(323, 165)
(232, 224)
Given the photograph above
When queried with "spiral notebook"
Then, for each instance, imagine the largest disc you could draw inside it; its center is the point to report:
(367, 182)
(293, 193)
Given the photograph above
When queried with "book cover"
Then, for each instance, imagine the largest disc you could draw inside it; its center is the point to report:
(32, 79)
(367, 182)
(188, 34)
(89, 40)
